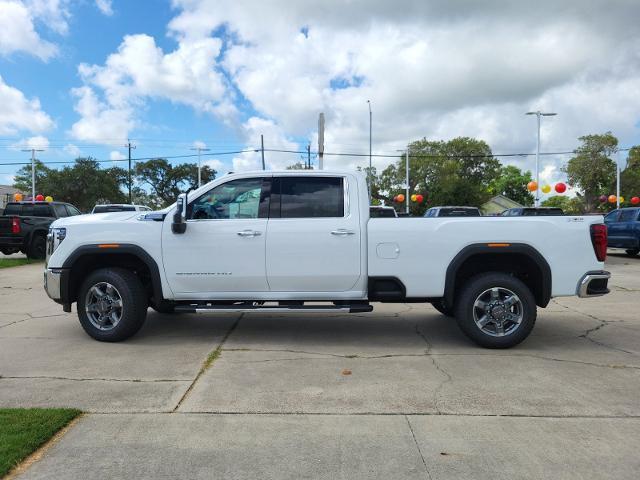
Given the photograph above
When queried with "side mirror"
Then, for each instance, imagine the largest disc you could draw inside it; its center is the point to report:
(179, 224)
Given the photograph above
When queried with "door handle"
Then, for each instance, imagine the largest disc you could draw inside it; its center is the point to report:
(249, 233)
(341, 232)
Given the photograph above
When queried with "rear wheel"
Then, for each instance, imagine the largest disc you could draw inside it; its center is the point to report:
(443, 308)
(632, 252)
(38, 247)
(112, 304)
(496, 310)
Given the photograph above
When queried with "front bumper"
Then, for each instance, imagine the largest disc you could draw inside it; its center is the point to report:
(593, 284)
(52, 283)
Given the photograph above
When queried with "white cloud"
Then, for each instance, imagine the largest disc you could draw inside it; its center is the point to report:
(140, 71)
(18, 26)
(72, 150)
(105, 7)
(38, 143)
(199, 144)
(17, 112)
(274, 138)
(100, 122)
(116, 155)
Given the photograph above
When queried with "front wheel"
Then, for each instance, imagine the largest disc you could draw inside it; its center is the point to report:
(38, 248)
(112, 304)
(632, 252)
(496, 310)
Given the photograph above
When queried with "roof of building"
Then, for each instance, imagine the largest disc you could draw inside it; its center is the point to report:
(498, 204)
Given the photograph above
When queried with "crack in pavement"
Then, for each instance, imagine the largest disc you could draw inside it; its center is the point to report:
(413, 435)
(31, 317)
(448, 379)
(603, 323)
(75, 379)
(322, 356)
(208, 361)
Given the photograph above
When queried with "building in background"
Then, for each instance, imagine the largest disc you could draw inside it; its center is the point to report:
(6, 194)
(498, 204)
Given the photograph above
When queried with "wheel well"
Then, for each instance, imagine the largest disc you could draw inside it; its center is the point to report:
(533, 272)
(88, 263)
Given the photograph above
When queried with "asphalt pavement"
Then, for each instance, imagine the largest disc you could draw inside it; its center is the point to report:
(397, 393)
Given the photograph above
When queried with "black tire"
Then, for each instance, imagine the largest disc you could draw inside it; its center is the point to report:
(37, 248)
(492, 286)
(443, 308)
(163, 306)
(632, 252)
(133, 297)
(9, 251)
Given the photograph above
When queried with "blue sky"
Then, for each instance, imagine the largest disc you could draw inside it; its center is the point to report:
(82, 76)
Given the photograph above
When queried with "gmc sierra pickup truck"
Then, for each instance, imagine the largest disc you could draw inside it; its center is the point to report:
(303, 242)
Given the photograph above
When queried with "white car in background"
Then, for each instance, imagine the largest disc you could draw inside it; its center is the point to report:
(119, 207)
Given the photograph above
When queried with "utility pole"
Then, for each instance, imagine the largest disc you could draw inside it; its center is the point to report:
(370, 151)
(407, 180)
(33, 170)
(129, 146)
(618, 179)
(262, 151)
(309, 157)
(320, 141)
(200, 149)
(539, 114)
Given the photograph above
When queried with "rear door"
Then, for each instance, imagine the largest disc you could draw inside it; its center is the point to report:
(614, 229)
(626, 221)
(313, 234)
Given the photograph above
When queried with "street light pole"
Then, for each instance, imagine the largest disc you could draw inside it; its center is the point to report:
(539, 114)
(407, 180)
(370, 149)
(33, 171)
(200, 149)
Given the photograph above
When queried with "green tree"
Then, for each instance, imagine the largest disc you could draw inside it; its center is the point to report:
(630, 176)
(591, 169)
(84, 184)
(569, 205)
(167, 181)
(455, 172)
(512, 183)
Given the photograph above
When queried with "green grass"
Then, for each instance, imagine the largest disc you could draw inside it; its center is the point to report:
(23, 430)
(15, 262)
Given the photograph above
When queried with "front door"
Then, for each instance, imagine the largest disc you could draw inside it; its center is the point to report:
(313, 236)
(223, 248)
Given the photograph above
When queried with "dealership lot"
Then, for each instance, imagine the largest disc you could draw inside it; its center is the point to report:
(397, 393)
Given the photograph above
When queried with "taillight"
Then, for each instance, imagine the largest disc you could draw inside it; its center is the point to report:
(599, 241)
(15, 225)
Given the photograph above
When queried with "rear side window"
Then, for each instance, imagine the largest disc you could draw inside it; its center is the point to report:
(60, 210)
(307, 197)
(611, 217)
(13, 209)
(42, 211)
(628, 215)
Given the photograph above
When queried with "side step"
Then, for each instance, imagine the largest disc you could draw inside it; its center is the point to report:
(247, 308)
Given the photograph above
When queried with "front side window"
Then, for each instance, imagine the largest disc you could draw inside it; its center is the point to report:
(231, 200)
(627, 215)
(307, 197)
(60, 210)
(72, 210)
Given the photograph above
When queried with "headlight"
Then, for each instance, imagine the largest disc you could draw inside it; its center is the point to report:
(55, 238)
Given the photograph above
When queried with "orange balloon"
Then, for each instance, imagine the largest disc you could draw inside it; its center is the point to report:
(400, 198)
(532, 186)
(17, 197)
(612, 199)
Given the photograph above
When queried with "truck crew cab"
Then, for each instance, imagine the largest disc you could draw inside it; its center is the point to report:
(303, 242)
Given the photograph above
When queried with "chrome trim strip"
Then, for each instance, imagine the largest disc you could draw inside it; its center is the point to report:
(273, 309)
(52, 283)
(583, 285)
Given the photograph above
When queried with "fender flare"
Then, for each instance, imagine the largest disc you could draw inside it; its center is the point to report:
(505, 249)
(96, 249)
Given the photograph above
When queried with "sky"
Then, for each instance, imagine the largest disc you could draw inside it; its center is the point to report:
(80, 77)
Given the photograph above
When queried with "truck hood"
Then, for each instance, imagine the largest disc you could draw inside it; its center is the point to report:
(96, 218)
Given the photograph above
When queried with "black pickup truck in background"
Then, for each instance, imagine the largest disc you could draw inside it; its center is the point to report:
(24, 226)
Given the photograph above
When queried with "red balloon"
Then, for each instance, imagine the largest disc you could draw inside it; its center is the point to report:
(39, 198)
(419, 198)
(561, 187)
(635, 200)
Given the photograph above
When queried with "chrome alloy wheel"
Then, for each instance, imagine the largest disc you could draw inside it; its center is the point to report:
(498, 312)
(103, 305)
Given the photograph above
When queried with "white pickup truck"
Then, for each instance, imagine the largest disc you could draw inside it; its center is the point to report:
(303, 242)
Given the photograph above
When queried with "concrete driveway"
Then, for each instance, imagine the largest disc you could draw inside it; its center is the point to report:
(398, 393)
